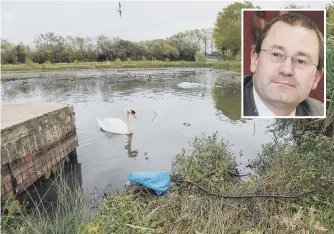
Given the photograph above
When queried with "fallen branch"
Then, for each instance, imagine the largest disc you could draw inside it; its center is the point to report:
(154, 116)
(245, 196)
(137, 227)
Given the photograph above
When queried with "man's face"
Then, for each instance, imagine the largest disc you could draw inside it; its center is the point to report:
(282, 82)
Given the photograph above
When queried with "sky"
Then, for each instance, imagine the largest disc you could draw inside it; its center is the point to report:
(23, 21)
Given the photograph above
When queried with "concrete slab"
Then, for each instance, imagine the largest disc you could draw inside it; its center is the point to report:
(13, 114)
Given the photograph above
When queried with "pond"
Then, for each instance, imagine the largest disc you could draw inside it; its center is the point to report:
(169, 117)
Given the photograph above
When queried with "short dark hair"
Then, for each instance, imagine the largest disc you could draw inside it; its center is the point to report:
(294, 19)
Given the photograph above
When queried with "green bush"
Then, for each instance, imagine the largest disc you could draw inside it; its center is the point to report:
(29, 63)
(238, 57)
(228, 55)
(200, 57)
(117, 62)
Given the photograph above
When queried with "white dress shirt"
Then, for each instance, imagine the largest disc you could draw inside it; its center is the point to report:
(262, 109)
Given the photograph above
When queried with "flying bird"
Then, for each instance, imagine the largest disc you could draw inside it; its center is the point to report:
(119, 9)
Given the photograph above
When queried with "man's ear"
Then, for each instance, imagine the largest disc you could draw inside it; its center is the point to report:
(317, 78)
(254, 58)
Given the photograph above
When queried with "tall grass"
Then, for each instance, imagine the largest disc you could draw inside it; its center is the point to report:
(281, 168)
(68, 214)
(30, 66)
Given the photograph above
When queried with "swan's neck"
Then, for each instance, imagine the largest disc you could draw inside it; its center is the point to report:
(128, 122)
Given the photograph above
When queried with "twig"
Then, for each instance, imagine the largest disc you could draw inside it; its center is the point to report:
(312, 122)
(244, 196)
(293, 187)
(276, 141)
(137, 227)
(230, 172)
(154, 116)
(254, 128)
(235, 174)
(209, 174)
(147, 191)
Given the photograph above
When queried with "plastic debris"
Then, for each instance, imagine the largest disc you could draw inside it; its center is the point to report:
(159, 181)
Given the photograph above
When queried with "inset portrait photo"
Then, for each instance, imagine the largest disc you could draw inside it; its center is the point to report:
(283, 63)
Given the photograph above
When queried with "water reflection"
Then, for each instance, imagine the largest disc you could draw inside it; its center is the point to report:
(228, 104)
(128, 146)
(131, 153)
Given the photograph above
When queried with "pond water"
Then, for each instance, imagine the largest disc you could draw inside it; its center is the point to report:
(168, 117)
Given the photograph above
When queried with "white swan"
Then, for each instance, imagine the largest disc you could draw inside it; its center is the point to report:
(188, 85)
(117, 126)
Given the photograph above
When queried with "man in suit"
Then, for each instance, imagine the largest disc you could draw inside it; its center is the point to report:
(286, 64)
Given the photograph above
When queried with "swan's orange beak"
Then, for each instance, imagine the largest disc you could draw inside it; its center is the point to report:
(134, 115)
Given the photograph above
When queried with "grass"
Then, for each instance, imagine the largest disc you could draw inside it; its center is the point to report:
(67, 215)
(281, 168)
(228, 65)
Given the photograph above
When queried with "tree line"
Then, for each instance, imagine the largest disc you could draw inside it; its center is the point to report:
(224, 40)
(50, 47)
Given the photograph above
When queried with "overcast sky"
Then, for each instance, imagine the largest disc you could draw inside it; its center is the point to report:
(141, 20)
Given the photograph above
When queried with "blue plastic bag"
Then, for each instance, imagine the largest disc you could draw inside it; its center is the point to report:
(159, 181)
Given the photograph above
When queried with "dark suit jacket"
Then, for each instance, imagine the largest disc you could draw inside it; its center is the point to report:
(309, 107)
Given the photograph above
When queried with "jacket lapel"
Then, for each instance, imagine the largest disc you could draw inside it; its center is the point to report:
(249, 103)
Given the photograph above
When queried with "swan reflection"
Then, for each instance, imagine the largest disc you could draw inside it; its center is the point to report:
(131, 153)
